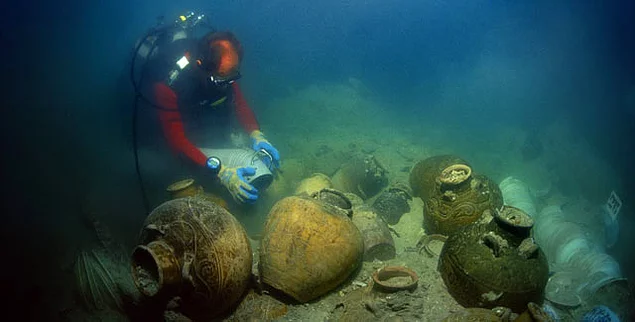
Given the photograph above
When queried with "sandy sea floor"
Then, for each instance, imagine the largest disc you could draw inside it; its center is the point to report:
(319, 128)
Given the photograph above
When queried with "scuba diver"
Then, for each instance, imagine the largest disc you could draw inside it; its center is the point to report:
(192, 83)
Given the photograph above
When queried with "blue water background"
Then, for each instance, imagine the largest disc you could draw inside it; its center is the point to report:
(67, 97)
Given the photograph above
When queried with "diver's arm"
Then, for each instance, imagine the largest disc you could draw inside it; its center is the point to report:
(245, 115)
(173, 125)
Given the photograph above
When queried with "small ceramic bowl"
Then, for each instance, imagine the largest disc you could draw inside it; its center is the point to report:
(395, 278)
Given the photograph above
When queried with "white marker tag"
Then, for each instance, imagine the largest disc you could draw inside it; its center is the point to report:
(613, 205)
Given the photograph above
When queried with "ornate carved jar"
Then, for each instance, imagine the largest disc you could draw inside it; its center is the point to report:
(495, 263)
(423, 177)
(196, 251)
(459, 199)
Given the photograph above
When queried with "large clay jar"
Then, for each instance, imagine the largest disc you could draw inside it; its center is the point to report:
(309, 245)
(188, 188)
(459, 199)
(362, 175)
(195, 250)
(378, 242)
(423, 177)
(495, 263)
(313, 184)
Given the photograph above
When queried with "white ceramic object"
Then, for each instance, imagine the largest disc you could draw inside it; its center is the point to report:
(571, 249)
(550, 211)
(580, 264)
(245, 158)
(600, 268)
(562, 287)
(516, 193)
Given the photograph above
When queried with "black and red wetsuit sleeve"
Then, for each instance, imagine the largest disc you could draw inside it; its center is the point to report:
(245, 115)
(172, 124)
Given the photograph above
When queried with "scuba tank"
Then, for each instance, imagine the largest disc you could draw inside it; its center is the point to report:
(145, 49)
(149, 45)
(160, 37)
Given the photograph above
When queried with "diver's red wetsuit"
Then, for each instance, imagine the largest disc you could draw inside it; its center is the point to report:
(172, 123)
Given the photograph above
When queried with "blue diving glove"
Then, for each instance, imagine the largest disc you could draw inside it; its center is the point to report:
(260, 143)
(234, 180)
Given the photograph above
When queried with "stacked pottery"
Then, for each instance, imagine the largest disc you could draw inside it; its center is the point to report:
(195, 251)
(580, 265)
(516, 193)
(455, 197)
(310, 245)
(602, 269)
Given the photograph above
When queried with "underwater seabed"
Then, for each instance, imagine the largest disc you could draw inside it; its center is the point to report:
(339, 121)
(106, 292)
(558, 165)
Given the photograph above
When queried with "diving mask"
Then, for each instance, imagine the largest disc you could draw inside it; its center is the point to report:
(224, 81)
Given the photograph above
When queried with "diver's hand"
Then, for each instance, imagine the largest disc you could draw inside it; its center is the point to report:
(260, 143)
(234, 180)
